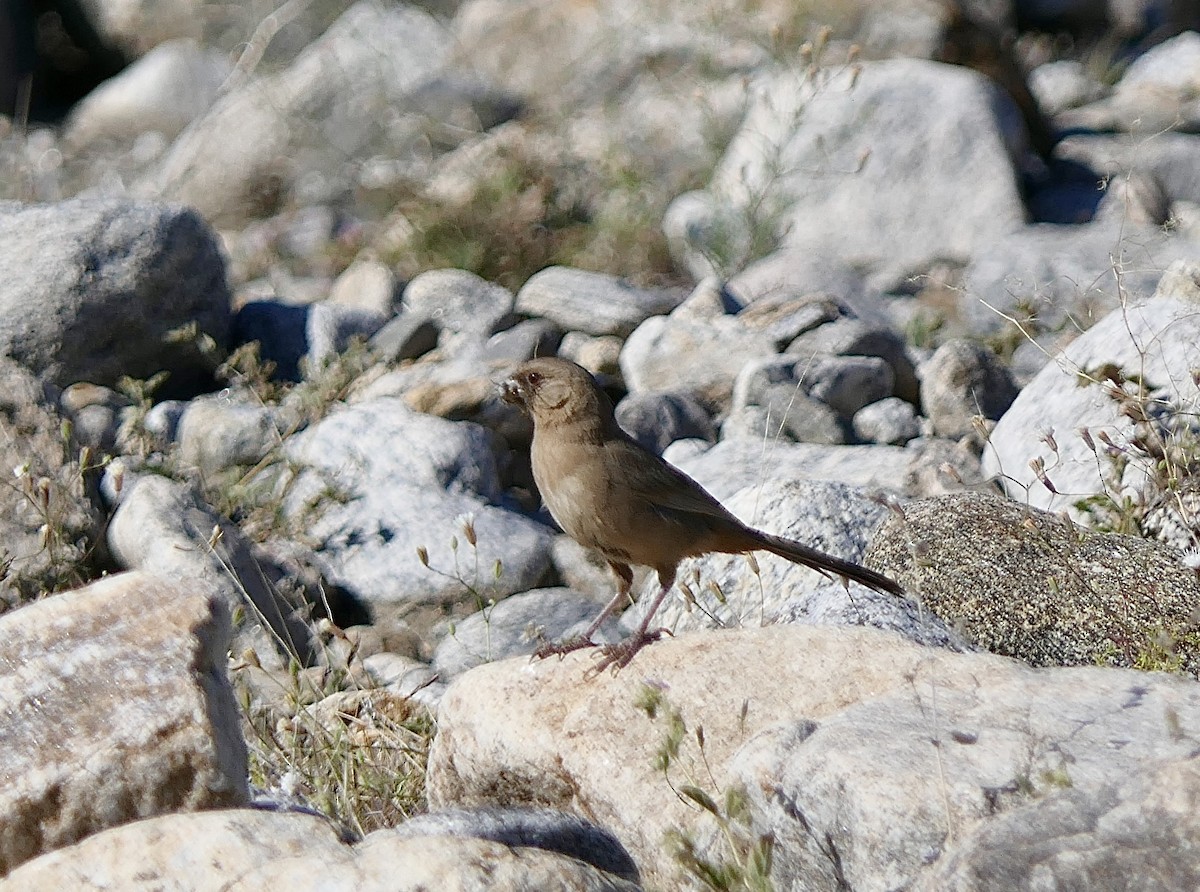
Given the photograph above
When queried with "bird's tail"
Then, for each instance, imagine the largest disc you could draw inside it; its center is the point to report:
(827, 563)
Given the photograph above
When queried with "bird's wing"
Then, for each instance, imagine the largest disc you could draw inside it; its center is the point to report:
(665, 487)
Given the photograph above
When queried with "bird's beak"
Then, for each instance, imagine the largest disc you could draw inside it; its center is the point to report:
(510, 392)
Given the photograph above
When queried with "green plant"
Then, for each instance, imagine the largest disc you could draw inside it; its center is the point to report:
(743, 859)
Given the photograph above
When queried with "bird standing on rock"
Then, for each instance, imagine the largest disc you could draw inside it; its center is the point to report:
(609, 493)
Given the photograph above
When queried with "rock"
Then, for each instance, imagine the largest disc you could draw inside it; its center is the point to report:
(281, 331)
(402, 481)
(459, 303)
(1170, 159)
(136, 28)
(298, 339)
(698, 349)
(49, 521)
(193, 852)
(582, 569)
(360, 73)
(658, 419)
(785, 414)
(162, 92)
(1137, 827)
(600, 356)
(1174, 518)
(814, 150)
(1055, 278)
(962, 380)
(1063, 84)
(152, 271)
(95, 414)
(1158, 89)
(1029, 584)
(333, 329)
(888, 422)
(161, 527)
(219, 432)
(462, 388)
(161, 421)
(847, 383)
(518, 625)
(771, 400)
(835, 722)
(404, 336)
(366, 285)
(784, 317)
(539, 828)
(525, 340)
(243, 850)
(734, 464)
(116, 707)
(721, 590)
(1135, 198)
(855, 334)
(1153, 342)
(787, 275)
(1005, 754)
(593, 303)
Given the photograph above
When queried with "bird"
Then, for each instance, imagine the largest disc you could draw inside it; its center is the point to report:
(613, 495)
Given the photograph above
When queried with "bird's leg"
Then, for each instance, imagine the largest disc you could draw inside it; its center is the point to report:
(618, 656)
(624, 584)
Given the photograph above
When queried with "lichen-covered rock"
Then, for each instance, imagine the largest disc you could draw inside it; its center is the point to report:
(1026, 583)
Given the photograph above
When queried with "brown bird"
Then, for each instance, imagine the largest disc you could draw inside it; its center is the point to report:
(611, 494)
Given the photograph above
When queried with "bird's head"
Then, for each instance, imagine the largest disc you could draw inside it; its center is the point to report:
(556, 391)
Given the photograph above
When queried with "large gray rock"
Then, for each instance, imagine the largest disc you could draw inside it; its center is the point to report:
(350, 88)
(889, 422)
(221, 432)
(697, 349)
(860, 148)
(163, 92)
(92, 290)
(400, 481)
(1170, 159)
(911, 470)
(917, 770)
(1055, 278)
(1157, 92)
(657, 419)
(115, 706)
(1152, 342)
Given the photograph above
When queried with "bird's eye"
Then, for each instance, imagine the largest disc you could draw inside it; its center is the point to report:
(534, 378)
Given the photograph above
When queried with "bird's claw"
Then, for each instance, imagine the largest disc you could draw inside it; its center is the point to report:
(618, 656)
(562, 648)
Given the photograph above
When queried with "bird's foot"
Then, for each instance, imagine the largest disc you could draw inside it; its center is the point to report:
(618, 656)
(562, 648)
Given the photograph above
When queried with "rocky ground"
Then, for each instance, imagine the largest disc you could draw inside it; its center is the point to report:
(920, 287)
